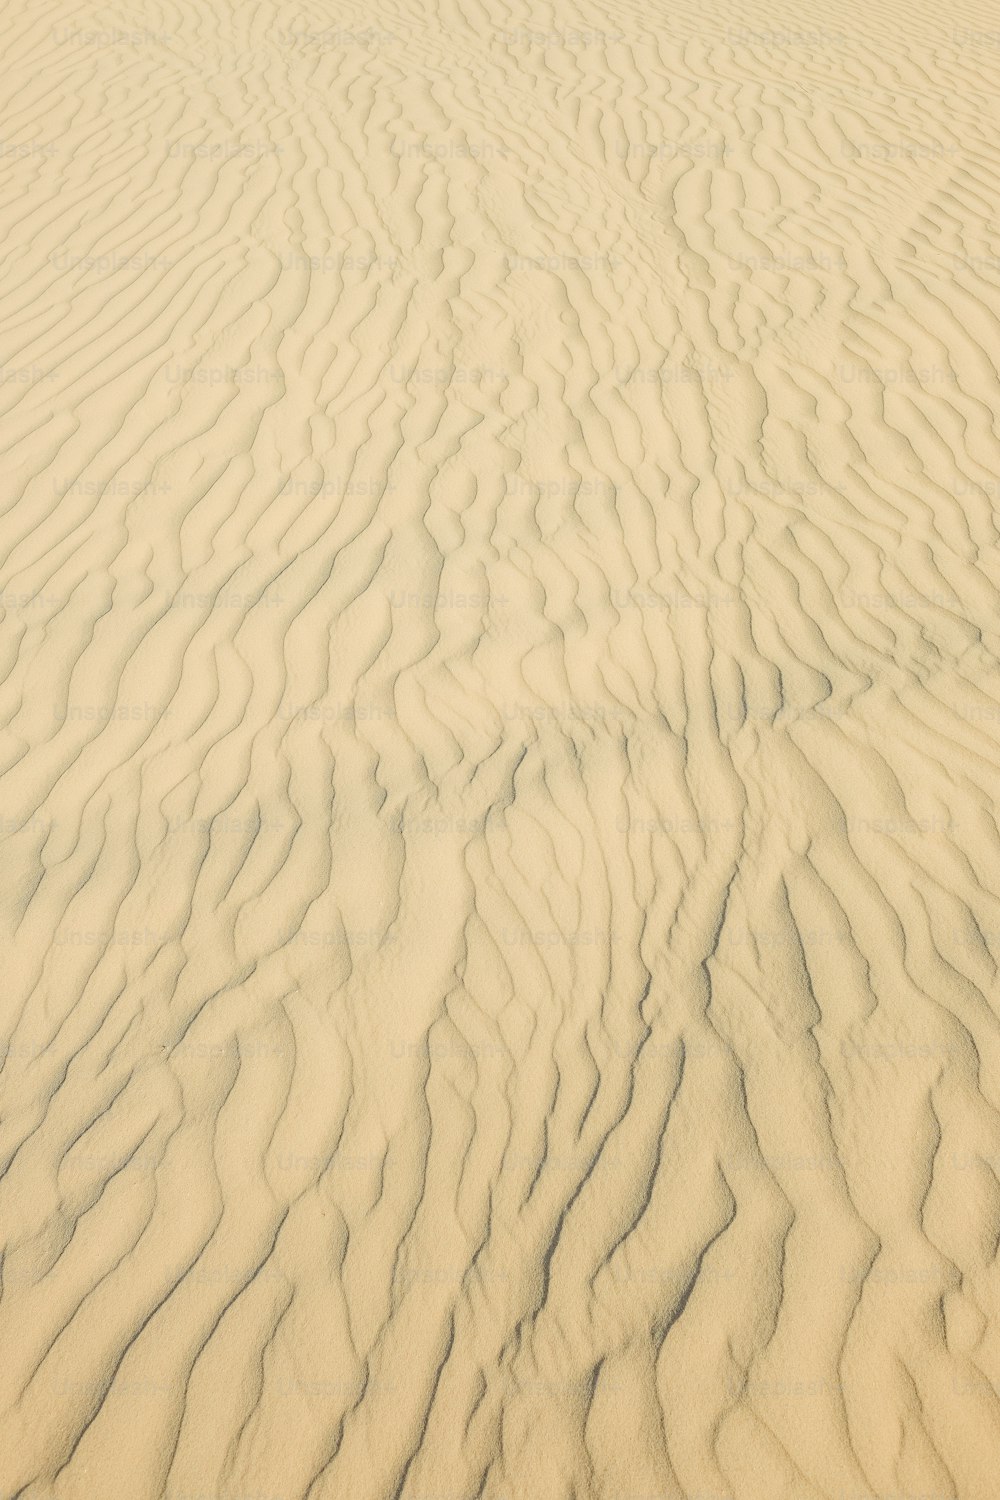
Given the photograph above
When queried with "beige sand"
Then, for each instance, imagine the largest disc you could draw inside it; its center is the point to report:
(501, 871)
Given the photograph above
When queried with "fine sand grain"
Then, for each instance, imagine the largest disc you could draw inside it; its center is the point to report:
(499, 630)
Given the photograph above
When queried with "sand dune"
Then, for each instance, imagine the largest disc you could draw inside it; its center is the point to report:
(499, 669)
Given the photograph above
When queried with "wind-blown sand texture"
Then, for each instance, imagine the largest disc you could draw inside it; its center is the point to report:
(501, 871)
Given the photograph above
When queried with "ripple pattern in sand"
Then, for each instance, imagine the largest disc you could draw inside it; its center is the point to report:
(498, 785)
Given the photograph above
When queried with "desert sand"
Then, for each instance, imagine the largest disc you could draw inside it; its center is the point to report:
(499, 779)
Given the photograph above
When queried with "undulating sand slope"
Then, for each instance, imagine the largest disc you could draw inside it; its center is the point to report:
(501, 751)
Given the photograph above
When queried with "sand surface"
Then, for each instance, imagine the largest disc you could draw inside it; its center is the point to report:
(501, 750)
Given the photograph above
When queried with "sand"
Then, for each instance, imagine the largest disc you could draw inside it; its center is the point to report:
(498, 788)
